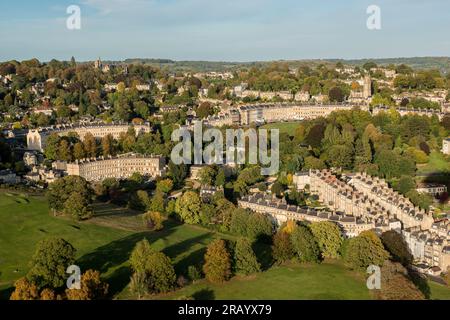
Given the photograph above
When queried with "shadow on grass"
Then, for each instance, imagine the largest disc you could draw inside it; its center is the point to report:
(263, 252)
(6, 293)
(420, 282)
(204, 294)
(116, 253)
(119, 279)
(104, 209)
(196, 259)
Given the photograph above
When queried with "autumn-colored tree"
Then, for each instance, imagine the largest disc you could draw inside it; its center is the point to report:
(48, 294)
(204, 110)
(127, 141)
(108, 145)
(78, 151)
(64, 151)
(245, 258)
(153, 220)
(217, 267)
(121, 87)
(92, 287)
(90, 145)
(164, 186)
(282, 249)
(143, 199)
(396, 285)
(25, 290)
(355, 86)
(290, 226)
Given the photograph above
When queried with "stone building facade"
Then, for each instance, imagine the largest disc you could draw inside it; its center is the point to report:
(370, 199)
(391, 202)
(363, 196)
(446, 146)
(430, 247)
(407, 111)
(119, 167)
(286, 112)
(281, 212)
(36, 138)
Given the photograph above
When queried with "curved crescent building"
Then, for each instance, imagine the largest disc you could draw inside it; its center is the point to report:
(119, 167)
(36, 138)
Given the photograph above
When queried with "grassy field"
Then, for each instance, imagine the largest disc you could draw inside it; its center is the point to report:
(105, 242)
(306, 282)
(24, 220)
(284, 127)
(439, 291)
(437, 163)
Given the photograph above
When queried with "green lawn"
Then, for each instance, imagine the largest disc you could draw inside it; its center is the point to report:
(24, 220)
(284, 127)
(105, 242)
(294, 282)
(439, 291)
(437, 163)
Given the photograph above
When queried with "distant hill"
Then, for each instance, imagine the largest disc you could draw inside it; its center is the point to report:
(441, 63)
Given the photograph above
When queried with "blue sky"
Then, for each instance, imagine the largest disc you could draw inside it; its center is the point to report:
(226, 30)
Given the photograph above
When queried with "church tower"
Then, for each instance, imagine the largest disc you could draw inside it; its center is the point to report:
(367, 89)
(98, 64)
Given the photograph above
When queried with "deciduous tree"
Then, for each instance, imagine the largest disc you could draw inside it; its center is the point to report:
(397, 247)
(188, 207)
(49, 262)
(25, 290)
(328, 237)
(282, 249)
(92, 287)
(305, 246)
(245, 258)
(217, 267)
(160, 272)
(153, 220)
(396, 285)
(364, 250)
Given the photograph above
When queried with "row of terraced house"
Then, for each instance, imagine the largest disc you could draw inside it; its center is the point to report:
(359, 202)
